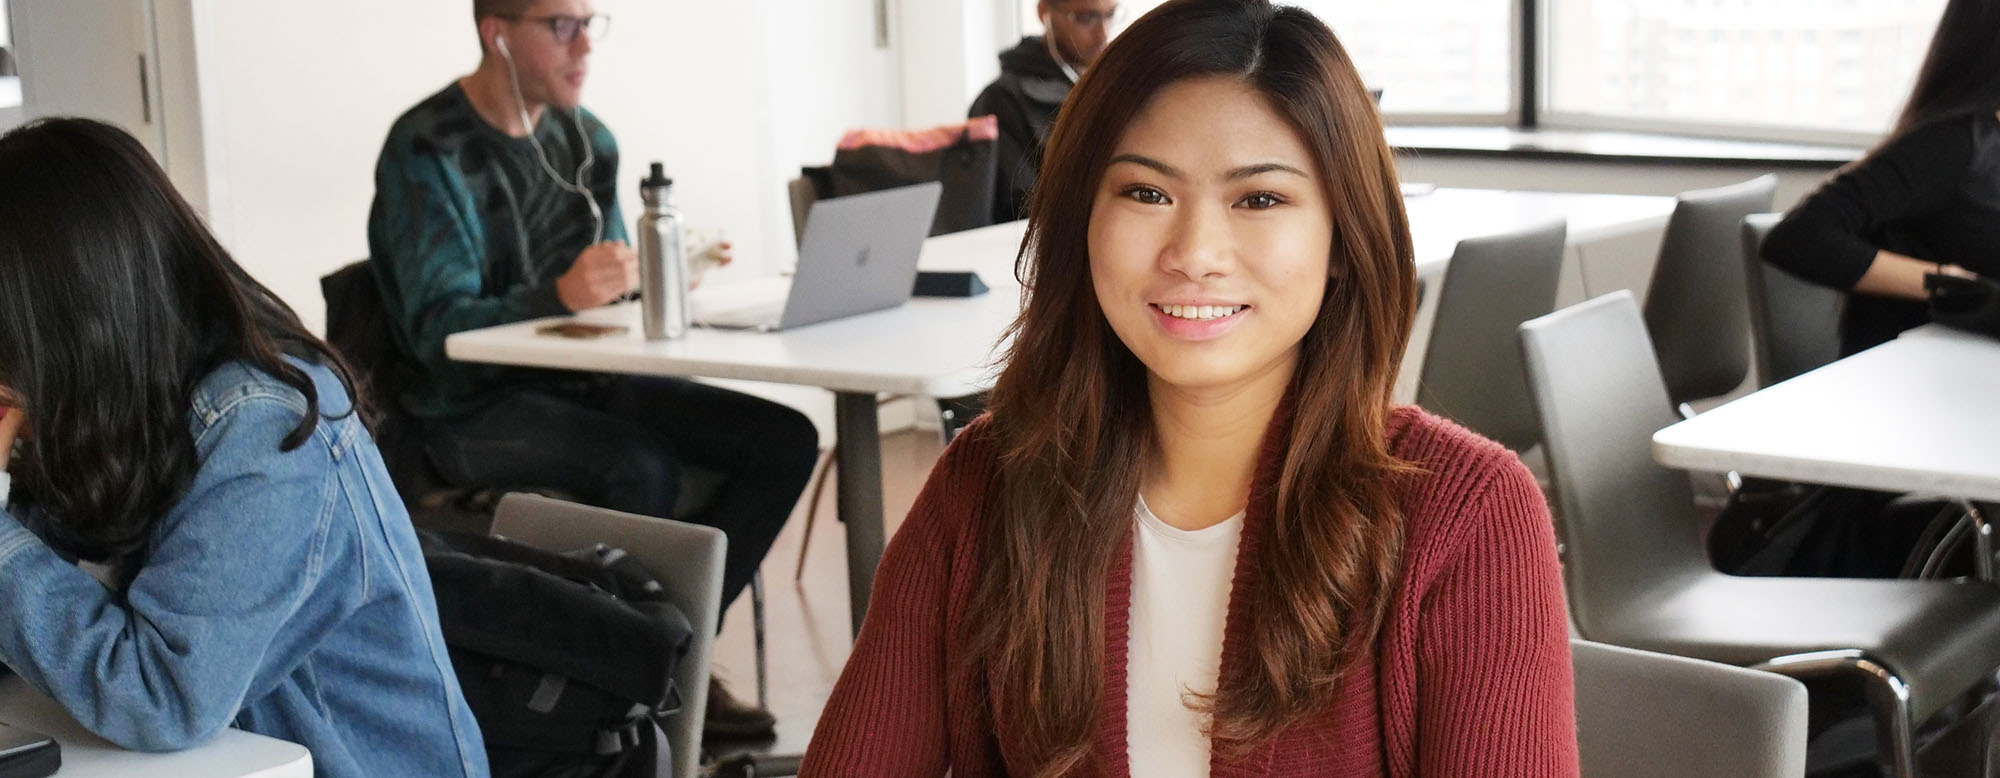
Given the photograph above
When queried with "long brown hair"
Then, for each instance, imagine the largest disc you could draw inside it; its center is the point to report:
(1073, 430)
(1960, 75)
(1961, 70)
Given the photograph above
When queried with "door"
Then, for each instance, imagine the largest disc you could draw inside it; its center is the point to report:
(92, 58)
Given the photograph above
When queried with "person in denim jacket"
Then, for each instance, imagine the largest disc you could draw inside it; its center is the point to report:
(184, 438)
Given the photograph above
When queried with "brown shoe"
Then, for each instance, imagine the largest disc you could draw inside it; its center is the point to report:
(731, 717)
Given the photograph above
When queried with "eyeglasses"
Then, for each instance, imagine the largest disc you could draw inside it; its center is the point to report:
(566, 28)
(1094, 18)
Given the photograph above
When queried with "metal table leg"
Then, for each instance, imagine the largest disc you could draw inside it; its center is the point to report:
(860, 493)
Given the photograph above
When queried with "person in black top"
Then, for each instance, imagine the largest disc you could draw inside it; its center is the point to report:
(1926, 200)
(1035, 76)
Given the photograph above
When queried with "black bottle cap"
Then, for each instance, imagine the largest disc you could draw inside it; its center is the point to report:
(656, 176)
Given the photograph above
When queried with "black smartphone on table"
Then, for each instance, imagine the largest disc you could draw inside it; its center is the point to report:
(27, 754)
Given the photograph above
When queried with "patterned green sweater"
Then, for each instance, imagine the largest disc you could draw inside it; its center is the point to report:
(468, 231)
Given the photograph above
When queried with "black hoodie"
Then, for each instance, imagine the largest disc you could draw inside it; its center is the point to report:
(1025, 97)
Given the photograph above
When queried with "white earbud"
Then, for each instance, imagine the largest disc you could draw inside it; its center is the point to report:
(589, 156)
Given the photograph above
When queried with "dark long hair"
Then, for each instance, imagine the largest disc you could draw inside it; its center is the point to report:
(1073, 430)
(1961, 72)
(114, 302)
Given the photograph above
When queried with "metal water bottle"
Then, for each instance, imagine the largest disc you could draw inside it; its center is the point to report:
(663, 280)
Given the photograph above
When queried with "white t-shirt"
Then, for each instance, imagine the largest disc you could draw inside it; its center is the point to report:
(1180, 605)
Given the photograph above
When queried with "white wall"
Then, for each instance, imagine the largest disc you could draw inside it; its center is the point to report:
(811, 98)
(300, 96)
(732, 96)
(950, 51)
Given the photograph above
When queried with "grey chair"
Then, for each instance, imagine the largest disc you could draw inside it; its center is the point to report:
(1696, 305)
(1472, 368)
(1645, 715)
(687, 558)
(1794, 323)
(1637, 574)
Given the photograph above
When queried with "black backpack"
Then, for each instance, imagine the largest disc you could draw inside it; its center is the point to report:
(1778, 528)
(567, 660)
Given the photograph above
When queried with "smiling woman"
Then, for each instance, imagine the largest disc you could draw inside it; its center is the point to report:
(1180, 209)
(1194, 536)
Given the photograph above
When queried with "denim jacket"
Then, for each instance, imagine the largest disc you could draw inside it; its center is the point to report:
(284, 594)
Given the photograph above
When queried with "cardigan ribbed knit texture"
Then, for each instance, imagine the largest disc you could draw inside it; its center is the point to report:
(1469, 676)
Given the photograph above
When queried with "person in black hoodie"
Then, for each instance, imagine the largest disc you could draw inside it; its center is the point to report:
(1926, 201)
(1035, 76)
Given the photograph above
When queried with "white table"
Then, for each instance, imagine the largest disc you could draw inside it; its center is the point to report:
(232, 754)
(942, 347)
(1917, 414)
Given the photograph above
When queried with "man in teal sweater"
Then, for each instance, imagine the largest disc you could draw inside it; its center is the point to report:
(496, 202)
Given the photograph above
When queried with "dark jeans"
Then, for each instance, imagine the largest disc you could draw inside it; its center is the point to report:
(626, 442)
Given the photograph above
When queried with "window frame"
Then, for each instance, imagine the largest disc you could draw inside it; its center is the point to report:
(1529, 90)
(1545, 117)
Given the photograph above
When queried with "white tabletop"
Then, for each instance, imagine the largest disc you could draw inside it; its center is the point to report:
(1917, 414)
(232, 754)
(944, 347)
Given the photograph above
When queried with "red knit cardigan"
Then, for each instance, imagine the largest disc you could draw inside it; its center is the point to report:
(1470, 675)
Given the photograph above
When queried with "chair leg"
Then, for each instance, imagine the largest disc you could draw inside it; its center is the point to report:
(825, 472)
(947, 418)
(1893, 728)
(1982, 540)
(757, 628)
(1940, 553)
(1888, 695)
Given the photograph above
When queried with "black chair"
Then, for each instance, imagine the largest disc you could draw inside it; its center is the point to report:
(961, 157)
(359, 328)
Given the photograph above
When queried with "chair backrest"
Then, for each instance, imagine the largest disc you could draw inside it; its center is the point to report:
(962, 157)
(359, 328)
(686, 558)
(1696, 306)
(803, 194)
(1795, 323)
(1472, 368)
(1628, 524)
(1645, 715)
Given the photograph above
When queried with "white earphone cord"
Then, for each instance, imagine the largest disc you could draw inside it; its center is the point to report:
(589, 157)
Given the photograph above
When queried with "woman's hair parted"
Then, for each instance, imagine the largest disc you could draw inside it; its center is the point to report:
(1072, 427)
(115, 300)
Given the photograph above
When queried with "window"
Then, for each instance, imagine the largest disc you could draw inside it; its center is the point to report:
(10, 82)
(1769, 68)
(1819, 70)
(1437, 58)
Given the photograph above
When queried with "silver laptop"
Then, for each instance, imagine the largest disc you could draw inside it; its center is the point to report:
(859, 254)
